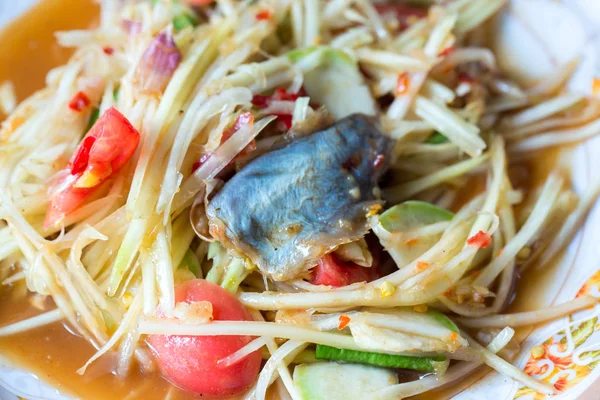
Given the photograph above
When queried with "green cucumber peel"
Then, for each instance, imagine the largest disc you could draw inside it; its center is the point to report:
(182, 21)
(413, 214)
(443, 320)
(437, 138)
(428, 364)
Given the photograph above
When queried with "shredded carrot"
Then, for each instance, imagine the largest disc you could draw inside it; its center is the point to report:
(344, 321)
(263, 15)
(480, 239)
(411, 242)
(79, 102)
(422, 265)
(402, 84)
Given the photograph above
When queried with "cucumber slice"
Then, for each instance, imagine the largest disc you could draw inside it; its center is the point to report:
(427, 364)
(333, 381)
(336, 82)
(437, 138)
(411, 215)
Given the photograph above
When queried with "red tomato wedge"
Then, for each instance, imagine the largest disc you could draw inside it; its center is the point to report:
(332, 271)
(104, 150)
(190, 362)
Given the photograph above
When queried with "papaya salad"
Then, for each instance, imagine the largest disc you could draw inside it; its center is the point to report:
(302, 199)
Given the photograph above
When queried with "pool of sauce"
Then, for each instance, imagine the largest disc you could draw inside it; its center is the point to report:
(54, 354)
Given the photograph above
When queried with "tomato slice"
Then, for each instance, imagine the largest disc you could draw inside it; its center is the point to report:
(332, 271)
(190, 362)
(104, 150)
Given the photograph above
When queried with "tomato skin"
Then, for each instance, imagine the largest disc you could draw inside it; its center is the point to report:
(332, 271)
(190, 362)
(242, 120)
(104, 150)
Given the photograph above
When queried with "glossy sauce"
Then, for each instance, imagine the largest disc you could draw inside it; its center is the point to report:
(52, 353)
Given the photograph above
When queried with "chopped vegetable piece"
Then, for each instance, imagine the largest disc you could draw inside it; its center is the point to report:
(480, 239)
(79, 102)
(158, 63)
(336, 83)
(187, 361)
(334, 381)
(104, 150)
(442, 319)
(263, 101)
(410, 217)
(377, 359)
(344, 321)
(263, 15)
(402, 84)
(332, 271)
(437, 138)
(182, 21)
(108, 50)
(412, 214)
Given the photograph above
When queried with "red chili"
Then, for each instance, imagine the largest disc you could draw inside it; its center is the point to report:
(447, 51)
(79, 102)
(403, 84)
(263, 15)
(480, 240)
(108, 50)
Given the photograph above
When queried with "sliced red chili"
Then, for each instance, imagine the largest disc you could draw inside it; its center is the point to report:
(263, 15)
(79, 102)
(480, 240)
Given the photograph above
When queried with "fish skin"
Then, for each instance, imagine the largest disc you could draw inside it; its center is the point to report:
(287, 208)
